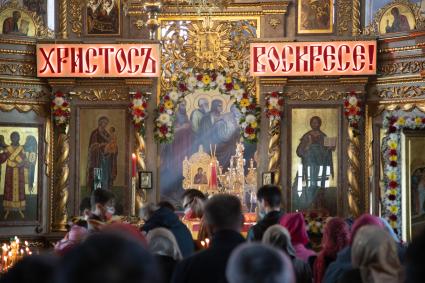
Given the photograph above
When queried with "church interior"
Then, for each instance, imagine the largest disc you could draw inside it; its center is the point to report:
(150, 100)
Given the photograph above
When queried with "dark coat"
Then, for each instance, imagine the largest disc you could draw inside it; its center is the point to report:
(256, 232)
(166, 265)
(209, 266)
(166, 218)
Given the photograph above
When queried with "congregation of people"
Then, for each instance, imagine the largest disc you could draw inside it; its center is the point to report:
(277, 249)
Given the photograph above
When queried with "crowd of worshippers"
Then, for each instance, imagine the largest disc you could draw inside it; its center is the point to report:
(277, 248)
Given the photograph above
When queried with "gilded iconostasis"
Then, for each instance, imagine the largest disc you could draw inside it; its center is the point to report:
(183, 109)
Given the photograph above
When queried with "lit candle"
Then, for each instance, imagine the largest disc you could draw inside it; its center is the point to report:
(133, 163)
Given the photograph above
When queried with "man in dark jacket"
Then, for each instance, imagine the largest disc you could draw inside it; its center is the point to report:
(166, 218)
(269, 198)
(223, 216)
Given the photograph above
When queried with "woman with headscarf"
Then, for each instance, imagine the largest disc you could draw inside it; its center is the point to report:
(295, 224)
(163, 245)
(374, 258)
(335, 237)
(278, 237)
(343, 260)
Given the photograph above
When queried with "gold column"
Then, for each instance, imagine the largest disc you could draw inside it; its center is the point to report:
(274, 149)
(356, 18)
(61, 186)
(354, 173)
(141, 195)
(63, 21)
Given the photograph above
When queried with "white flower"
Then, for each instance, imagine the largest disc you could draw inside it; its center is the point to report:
(243, 109)
(213, 84)
(164, 118)
(220, 80)
(352, 100)
(59, 101)
(191, 82)
(137, 119)
(250, 118)
(238, 97)
(169, 112)
(200, 84)
(244, 125)
(273, 101)
(61, 119)
(174, 95)
(137, 102)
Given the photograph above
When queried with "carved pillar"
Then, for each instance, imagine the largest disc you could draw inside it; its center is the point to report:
(356, 18)
(274, 149)
(140, 148)
(63, 21)
(354, 173)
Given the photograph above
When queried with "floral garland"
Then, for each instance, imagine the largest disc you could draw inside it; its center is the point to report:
(315, 222)
(353, 111)
(138, 110)
(394, 122)
(274, 106)
(191, 80)
(61, 109)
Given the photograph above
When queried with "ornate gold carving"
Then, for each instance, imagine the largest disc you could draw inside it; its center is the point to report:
(401, 91)
(41, 29)
(369, 164)
(102, 95)
(38, 109)
(274, 149)
(76, 16)
(208, 44)
(63, 20)
(356, 18)
(47, 139)
(17, 69)
(20, 93)
(274, 22)
(141, 195)
(404, 107)
(344, 15)
(61, 186)
(373, 28)
(16, 52)
(314, 94)
(408, 67)
(353, 173)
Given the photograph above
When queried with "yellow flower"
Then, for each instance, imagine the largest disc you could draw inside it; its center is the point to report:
(418, 121)
(174, 78)
(169, 104)
(236, 87)
(254, 124)
(392, 144)
(393, 224)
(392, 176)
(228, 80)
(393, 209)
(401, 121)
(251, 137)
(206, 79)
(244, 102)
(393, 157)
(393, 192)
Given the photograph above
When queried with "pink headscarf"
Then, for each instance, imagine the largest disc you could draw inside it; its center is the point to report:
(75, 236)
(363, 220)
(336, 236)
(295, 224)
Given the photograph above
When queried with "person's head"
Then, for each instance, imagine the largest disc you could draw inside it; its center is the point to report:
(258, 263)
(295, 224)
(336, 236)
(103, 202)
(279, 237)
(107, 3)
(203, 105)
(374, 252)
(182, 107)
(103, 122)
(269, 198)
(223, 212)
(35, 268)
(395, 12)
(415, 263)
(166, 204)
(162, 242)
(217, 106)
(16, 15)
(363, 220)
(147, 210)
(193, 202)
(108, 258)
(235, 111)
(315, 122)
(14, 138)
(200, 170)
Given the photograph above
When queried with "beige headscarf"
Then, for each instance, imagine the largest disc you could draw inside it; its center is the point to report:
(374, 252)
(278, 236)
(162, 242)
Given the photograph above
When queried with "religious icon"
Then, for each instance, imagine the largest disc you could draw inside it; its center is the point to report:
(19, 172)
(313, 157)
(398, 18)
(145, 180)
(268, 178)
(102, 152)
(200, 177)
(103, 17)
(16, 22)
(315, 16)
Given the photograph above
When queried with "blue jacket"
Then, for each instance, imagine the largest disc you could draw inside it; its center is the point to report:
(166, 218)
(337, 268)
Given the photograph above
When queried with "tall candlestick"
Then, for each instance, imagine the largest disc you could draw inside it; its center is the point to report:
(133, 165)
